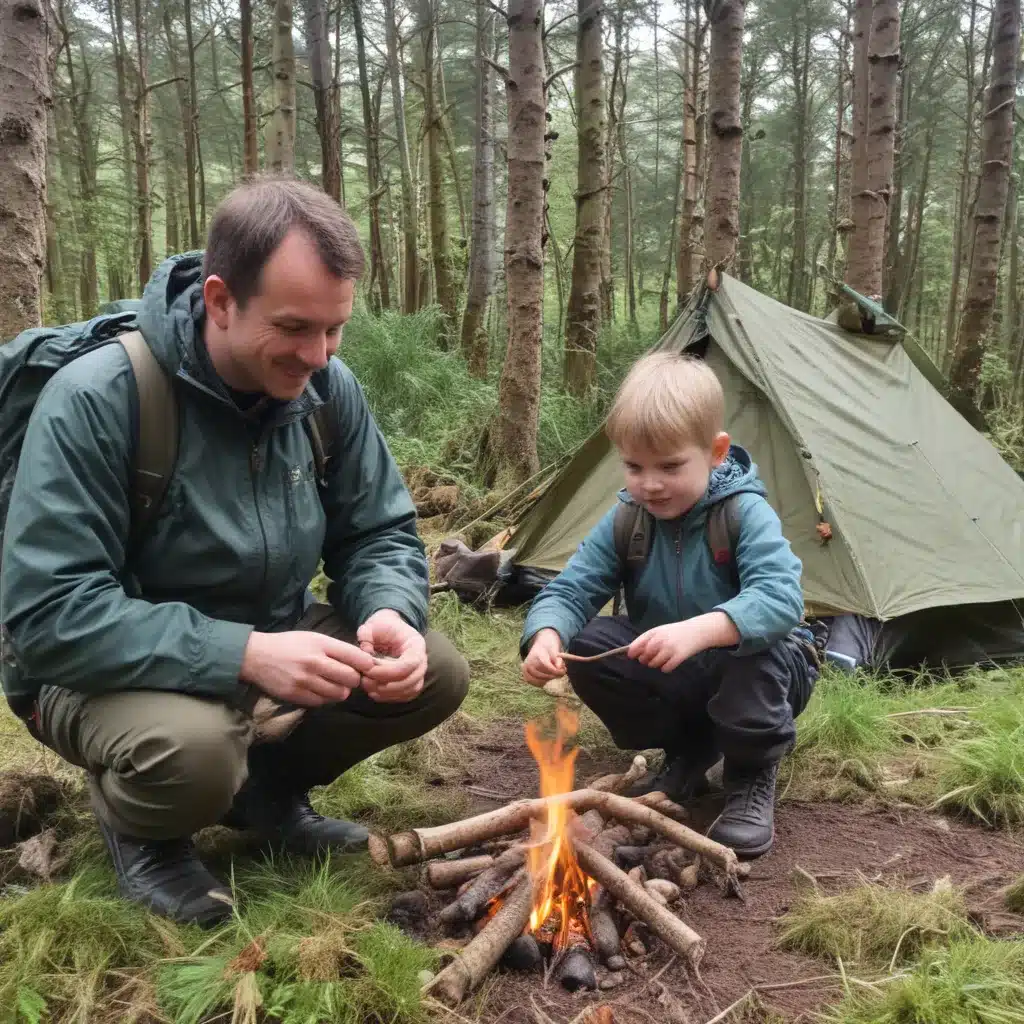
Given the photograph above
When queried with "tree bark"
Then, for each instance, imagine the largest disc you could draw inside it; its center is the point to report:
(141, 137)
(481, 252)
(251, 148)
(378, 268)
(121, 273)
(444, 277)
(688, 55)
(800, 67)
(990, 207)
(725, 146)
(280, 140)
(915, 222)
(193, 94)
(860, 206)
(892, 276)
(871, 202)
(841, 168)
(584, 319)
(187, 130)
(410, 265)
(519, 388)
(24, 100)
(318, 45)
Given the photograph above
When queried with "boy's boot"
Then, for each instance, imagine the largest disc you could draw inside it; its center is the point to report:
(281, 813)
(681, 777)
(747, 824)
(167, 877)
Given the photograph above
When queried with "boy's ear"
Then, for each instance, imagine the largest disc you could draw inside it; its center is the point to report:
(720, 448)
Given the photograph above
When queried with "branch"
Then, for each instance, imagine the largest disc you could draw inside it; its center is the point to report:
(557, 74)
(164, 81)
(497, 67)
(561, 21)
(497, 7)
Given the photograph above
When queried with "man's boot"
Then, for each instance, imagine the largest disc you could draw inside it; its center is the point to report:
(168, 878)
(747, 823)
(681, 777)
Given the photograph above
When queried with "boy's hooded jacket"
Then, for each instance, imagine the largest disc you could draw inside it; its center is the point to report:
(680, 579)
(236, 543)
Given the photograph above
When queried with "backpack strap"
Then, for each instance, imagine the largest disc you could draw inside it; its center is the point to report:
(632, 533)
(156, 449)
(723, 529)
(322, 432)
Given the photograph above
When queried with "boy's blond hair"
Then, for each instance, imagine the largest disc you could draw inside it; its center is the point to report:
(667, 401)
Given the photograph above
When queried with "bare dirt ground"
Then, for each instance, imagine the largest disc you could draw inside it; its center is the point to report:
(839, 845)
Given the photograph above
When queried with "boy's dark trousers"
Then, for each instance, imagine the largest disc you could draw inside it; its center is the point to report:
(717, 703)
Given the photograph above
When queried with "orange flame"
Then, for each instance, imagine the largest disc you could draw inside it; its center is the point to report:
(560, 886)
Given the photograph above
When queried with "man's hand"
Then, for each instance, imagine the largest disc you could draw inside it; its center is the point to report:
(544, 660)
(303, 667)
(398, 677)
(667, 647)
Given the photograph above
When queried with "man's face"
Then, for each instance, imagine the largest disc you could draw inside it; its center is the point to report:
(286, 331)
(669, 484)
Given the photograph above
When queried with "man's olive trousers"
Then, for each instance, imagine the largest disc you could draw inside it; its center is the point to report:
(162, 765)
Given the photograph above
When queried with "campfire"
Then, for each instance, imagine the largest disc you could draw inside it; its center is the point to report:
(573, 882)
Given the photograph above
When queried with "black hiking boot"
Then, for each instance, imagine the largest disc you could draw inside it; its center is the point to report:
(167, 877)
(747, 824)
(681, 778)
(288, 822)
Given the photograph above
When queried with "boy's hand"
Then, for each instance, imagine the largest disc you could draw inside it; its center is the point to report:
(667, 647)
(544, 662)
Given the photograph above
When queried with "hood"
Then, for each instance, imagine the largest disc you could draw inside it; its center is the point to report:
(737, 474)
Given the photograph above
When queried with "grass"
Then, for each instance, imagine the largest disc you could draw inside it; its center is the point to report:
(1015, 896)
(874, 924)
(970, 981)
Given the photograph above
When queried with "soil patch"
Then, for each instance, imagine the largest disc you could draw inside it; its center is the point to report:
(840, 845)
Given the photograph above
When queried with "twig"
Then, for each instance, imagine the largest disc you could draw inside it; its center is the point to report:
(732, 1006)
(773, 987)
(929, 711)
(594, 657)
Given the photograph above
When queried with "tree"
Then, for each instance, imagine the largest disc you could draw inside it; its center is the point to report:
(250, 144)
(24, 98)
(280, 140)
(519, 388)
(319, 46)
(481, 251)
(871, 200)
(584, 320)
(990, 206)
(725, 147)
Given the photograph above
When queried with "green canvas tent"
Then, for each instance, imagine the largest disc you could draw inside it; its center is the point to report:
(925, 564)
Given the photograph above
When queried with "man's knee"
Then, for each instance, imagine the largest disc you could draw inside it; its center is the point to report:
(447, 681)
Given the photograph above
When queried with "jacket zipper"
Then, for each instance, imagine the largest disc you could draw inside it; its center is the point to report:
(255, 465)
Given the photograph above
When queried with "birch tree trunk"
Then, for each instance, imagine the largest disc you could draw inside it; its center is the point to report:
(519, 388)
(990, 206)
(444, 277)
(410, 264)
(24, 99)
(725, 147)
(251, 149)
(481, 251)
(584, 319)
(318, 44)
(280, 140)
(379, 275)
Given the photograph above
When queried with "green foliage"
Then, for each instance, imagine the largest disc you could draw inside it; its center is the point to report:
(874, 924)
(984, 777)
(972, 981)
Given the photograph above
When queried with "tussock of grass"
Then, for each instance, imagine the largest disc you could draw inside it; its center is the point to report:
(1015, 896)
(984, 777)
(874, 923)
(972, 981)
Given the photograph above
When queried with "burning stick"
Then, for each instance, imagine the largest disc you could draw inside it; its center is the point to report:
(472, 965)
(483, 889)
(683, 939)
(450, 874)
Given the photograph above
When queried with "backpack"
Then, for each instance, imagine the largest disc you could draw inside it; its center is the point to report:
(29, 360)
(633, 534)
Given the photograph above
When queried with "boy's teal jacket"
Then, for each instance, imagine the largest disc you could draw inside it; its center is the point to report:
(236, 543)
(680, 579)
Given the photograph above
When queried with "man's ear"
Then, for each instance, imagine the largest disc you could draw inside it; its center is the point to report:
(218, 300)
(720, 448)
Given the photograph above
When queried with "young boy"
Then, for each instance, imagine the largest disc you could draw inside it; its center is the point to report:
(713, 667)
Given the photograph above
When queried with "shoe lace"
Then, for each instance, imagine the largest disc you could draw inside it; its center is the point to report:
(755, 791)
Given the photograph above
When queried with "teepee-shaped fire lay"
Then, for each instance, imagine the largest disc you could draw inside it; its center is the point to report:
(573, 878)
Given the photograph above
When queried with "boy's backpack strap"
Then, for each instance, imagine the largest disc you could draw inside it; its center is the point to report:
(632, 533)
(157, 446)
(723, 531)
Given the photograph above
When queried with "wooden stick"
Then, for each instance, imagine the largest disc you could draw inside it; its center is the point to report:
(474, 963)
(421, 844)
(622, 781)
(594, 657)
(450, 874)
(679, 936)
(483, 889)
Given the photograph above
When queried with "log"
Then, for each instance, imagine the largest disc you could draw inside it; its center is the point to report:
(450, 874)
(421, 844)
(673, 932)
(474, 963)
(488, 884)
(620, 782)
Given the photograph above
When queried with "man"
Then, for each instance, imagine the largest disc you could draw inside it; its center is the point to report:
(143, 666)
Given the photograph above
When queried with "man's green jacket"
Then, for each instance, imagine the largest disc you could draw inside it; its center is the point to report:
(237, 540)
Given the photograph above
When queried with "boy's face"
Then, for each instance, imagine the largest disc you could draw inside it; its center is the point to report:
(669, 484)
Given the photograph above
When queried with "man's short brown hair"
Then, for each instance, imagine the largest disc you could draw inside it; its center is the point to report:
(252, 220)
